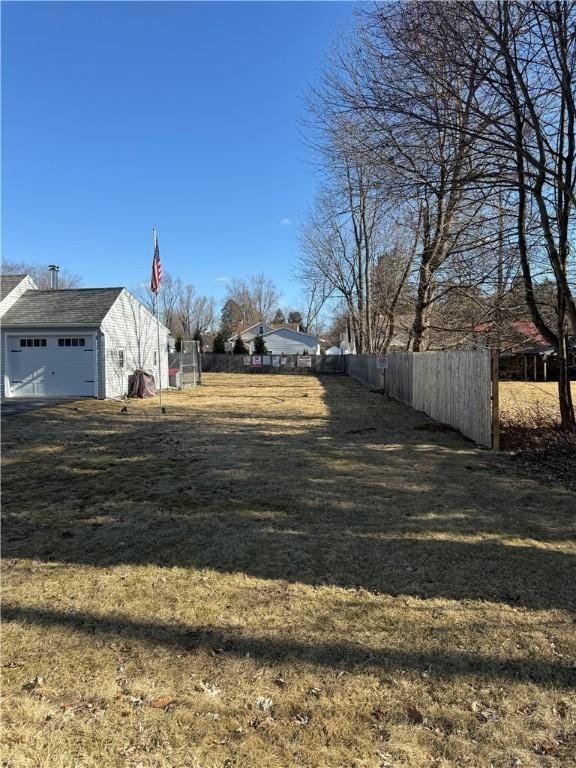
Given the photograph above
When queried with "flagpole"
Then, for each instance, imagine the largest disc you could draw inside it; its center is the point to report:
(157, 295)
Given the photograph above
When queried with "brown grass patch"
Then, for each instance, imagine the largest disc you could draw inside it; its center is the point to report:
(280, 572)
(530, 417)
(536, 401)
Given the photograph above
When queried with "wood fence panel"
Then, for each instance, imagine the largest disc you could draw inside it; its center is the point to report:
(398, 377)
(363, 368)
(455, 387)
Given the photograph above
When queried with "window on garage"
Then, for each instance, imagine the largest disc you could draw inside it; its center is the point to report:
(32, 342)
(72, 341)
(121, 358)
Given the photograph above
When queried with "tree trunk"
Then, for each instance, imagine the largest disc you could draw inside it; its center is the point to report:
(420, 327)
(567, 418)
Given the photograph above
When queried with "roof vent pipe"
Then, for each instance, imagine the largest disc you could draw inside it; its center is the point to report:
(53, 269)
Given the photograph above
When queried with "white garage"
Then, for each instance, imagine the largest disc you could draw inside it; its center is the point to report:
(75, 342)
(51, 365)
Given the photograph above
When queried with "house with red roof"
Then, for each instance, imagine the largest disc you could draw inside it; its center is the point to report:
(524, 352)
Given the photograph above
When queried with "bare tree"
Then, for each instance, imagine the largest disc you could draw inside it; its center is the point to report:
(384, 106)
(257, 297)
(316, 294)
(184, 312)
(40, 274)
(395, 84)
(527, 73)
(165, 301)
(194, 315)
(391, 289)
(468, 108)
(347, 250)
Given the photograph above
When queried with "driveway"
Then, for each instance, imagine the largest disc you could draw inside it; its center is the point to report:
(25, 404)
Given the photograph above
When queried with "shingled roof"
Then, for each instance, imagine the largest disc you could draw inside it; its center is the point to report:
(68, 306)
(8, 283)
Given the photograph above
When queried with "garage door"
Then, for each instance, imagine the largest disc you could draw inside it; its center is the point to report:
(47, 366)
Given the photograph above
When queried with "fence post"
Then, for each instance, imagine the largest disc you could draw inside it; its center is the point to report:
(199, 363)
(495, 402)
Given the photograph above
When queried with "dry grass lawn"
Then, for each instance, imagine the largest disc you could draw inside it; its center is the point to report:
(281, 571)
(530, 419)
(533, 399)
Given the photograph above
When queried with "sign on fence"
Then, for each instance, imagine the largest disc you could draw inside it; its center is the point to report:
(382, 363)
(278, 364)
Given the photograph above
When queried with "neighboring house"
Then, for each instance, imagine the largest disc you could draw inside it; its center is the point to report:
(82, 342)
(279, 340)
(511, 336)
(249, 332)
(524, 353)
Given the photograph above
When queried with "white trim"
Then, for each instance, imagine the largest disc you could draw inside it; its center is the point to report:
(7, 371)
(35, 324)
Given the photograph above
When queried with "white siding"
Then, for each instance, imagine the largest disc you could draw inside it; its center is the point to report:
(284, 340)
(129, 327)
(24, 285)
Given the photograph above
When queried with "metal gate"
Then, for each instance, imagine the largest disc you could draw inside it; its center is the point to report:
(186, 365)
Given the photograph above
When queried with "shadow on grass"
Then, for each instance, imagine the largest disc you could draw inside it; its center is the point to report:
(353, 496)
(333, 655)
(287, 549)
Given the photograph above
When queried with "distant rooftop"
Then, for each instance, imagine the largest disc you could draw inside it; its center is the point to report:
(275, 326)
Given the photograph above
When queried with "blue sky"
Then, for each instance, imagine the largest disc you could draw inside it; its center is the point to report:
(185, 116)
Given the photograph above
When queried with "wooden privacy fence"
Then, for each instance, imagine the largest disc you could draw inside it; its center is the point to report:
(456, 387)
(298, 365)
(395, 379)
(364, 369)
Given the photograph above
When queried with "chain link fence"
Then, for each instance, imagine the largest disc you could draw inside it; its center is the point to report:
(297, 365)
(185, 367)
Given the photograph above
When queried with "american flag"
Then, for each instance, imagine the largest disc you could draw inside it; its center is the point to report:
(156, 269)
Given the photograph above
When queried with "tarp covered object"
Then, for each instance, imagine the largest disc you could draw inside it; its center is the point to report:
(141, 384)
